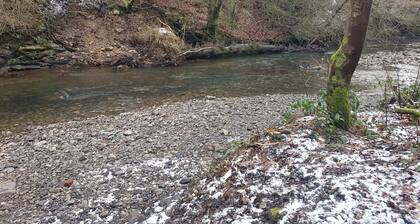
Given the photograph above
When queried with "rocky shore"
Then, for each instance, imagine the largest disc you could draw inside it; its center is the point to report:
(114, 169)
(146, 166)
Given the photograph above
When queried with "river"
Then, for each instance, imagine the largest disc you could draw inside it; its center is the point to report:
(54, 95)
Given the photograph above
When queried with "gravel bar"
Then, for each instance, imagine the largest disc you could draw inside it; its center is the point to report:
(113, 169)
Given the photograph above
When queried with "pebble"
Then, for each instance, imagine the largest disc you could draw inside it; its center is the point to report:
(224, 132)
(7, 187)
(128, 132)
(185, 180)
(181, 141)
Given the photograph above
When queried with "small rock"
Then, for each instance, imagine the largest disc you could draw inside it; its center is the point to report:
(168, 164)
(104, 213)
(119, 173)
(121, 68)
(9, 169)
(70, 202)
(82, 158)
(263, 204)
(224, 132)
(185, 180)
(68, 182)
(118, 30)
(8, 187)
(210, 97)
(107, 49)
(116, 12)
(285, 132)
(128, 132)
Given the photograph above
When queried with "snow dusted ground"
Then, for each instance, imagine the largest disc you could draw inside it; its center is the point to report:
(401, 65)
(292, 176)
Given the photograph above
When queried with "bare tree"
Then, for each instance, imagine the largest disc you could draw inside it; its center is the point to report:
(213, 7)
(344, 62)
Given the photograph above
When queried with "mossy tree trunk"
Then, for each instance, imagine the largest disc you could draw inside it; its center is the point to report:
(213, 7)
(344, 62)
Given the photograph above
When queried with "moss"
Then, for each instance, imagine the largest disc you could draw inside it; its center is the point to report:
(339, 58)
(338, 103)
(413, 112)
(274, 213)
(127, 3)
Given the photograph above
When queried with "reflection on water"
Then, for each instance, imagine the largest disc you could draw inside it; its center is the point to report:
(46, 96)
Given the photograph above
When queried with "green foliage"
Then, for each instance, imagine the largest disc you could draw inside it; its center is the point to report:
(287, 117)
(234, 147)
(274, 214)
(309, 107)
(327, 122)
(339, 58)
(339, 106)
(127, 3)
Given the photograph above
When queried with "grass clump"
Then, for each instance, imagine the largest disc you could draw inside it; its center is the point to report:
(158, 38)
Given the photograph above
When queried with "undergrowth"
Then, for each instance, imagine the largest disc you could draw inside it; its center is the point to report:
(325, 123)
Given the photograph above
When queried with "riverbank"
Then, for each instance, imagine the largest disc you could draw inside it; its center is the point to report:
(128, 167)
(125, 34)
(117, 167)
(290, 175)
(160, 164)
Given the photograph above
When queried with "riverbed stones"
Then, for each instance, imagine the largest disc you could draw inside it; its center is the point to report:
(185, 180)
(2, 62)
(128, 160)
(128, 132)
(7, 187)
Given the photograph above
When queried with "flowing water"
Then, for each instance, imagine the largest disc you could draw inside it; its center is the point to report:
(54, 95)
(45, 96)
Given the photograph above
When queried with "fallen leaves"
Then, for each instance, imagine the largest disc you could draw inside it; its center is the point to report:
(68, 182)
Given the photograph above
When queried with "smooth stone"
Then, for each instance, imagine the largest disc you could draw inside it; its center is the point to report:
(8, 187)
(128, 132)
(24, 67)
(224, 132)
(185, 180)
(32, 48)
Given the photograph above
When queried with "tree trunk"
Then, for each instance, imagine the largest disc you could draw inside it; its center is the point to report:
(213, 8)
(344, 62)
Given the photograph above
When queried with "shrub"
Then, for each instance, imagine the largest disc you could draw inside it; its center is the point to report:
(321, 21)
(325, 122)
(392, 17)
(22, 16)
(158, 38)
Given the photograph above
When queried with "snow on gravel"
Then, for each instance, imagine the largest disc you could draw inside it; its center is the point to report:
(305, 180)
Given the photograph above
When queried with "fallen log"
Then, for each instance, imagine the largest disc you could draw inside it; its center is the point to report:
(413, 112)
(235, 50)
